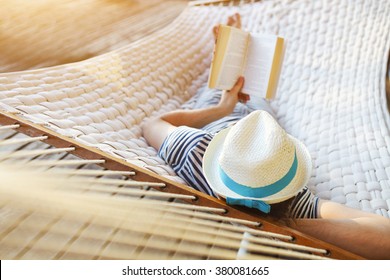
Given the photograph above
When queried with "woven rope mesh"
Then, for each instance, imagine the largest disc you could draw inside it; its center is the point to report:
(331, 94)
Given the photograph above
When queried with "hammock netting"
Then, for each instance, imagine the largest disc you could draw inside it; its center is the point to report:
(331, 92)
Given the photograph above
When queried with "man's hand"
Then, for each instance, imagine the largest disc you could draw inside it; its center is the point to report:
(155, 130)
(230, 98)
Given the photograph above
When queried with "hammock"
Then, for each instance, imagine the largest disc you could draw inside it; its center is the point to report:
(331, 94)
(70, 208)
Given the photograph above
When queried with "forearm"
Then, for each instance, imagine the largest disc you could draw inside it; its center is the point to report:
(362, 236)
(155, 130)
(195, 118)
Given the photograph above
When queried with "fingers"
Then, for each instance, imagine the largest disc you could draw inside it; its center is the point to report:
(242, 97)
(238, 86)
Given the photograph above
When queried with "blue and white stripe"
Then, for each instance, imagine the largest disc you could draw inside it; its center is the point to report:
(183, 150)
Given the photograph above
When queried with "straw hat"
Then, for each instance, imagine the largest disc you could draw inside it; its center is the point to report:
(256, 163)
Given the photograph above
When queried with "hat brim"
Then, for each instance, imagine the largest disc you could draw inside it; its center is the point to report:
(211, 165)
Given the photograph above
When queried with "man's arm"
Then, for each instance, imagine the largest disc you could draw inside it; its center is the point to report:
(365, 234)
(156, 130)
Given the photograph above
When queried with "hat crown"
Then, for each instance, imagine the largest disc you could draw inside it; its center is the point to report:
(257, 151)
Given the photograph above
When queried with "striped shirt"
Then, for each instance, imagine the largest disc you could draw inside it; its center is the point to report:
(183, 150)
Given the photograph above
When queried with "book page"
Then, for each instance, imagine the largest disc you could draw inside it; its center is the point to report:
(258, 65)
(233, 62)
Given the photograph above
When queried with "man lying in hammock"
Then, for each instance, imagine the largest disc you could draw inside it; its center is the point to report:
(226, 148)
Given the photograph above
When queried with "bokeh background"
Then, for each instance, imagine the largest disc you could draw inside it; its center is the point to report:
(42, 33)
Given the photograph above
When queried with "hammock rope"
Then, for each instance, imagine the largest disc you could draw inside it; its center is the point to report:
(331, 95)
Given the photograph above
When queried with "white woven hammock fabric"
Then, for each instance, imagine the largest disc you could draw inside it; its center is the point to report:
(331, 94)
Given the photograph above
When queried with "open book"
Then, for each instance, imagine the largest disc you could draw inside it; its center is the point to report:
(257, 57)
